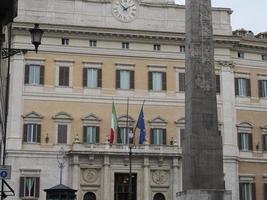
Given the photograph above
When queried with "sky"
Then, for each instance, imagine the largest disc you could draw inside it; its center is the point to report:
(250, 15)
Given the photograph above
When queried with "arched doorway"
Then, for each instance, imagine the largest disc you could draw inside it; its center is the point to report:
(89, 196)
(159, 196)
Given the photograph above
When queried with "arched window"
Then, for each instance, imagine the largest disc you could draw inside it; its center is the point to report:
(159, 196)
(89, 196)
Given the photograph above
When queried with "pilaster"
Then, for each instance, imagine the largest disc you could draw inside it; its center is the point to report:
(76, 174)
(106, 184)
(146, 189)
(175, 178)
(14, 129)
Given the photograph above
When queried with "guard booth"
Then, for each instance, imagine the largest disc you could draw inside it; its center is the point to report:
(60, 192)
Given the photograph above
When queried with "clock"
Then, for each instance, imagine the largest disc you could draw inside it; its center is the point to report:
(125, 10)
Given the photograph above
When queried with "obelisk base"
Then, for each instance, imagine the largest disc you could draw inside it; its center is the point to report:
(204, 195)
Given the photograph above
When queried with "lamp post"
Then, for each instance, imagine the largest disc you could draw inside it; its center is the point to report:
(61, 159)
(36, 35)
(130, 186)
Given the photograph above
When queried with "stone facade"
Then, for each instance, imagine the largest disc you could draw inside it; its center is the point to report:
(156, 39)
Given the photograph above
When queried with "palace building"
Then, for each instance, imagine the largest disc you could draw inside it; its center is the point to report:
(96, 52)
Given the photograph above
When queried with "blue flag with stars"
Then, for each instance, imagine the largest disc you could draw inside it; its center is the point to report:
(141, 126)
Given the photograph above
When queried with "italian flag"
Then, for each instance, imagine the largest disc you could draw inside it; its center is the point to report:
(114, 125)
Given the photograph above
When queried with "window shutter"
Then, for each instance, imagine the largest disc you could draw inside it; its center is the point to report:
(182, 136)
(26, 74)
(42, 74)
(60, 81)
(38, 133)
(250, 141)
(66, 75)
(260, 88)
(236, 87)
(97, 134)
(117, 78)
(181, 82)
(263, 143)
(99, 78)
(62, 133)
(265, 191)
(150, 81)
(218, 84)
(164, 81)
(239, 140)
(37, 191)
(25, 132)
(84, 134)
(164, 132)
(253, 191)
(119, 136)
(151, 136)
(248, 87)
(84, 77)
(241, 191)
(21, 187)
(132, 80)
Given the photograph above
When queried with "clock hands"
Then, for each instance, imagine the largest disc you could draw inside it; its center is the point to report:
(130, 6)
(126, 8)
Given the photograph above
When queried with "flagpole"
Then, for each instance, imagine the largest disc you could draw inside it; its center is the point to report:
(130, 154)
(137, 123)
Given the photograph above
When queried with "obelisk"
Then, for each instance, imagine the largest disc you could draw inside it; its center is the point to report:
(203, 177)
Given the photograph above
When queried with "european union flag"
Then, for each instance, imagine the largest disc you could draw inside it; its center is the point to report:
(141, 126)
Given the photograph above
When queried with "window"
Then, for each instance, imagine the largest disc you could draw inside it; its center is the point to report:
(264, 142)
(125, 79)
(92, 77)
(64, 73)
(240, 54)
(32, 133)
(182, 49)
(264, 57)
(242, 87)
(157, 81)
(65, 41)
(245, 141)
(247, 191)
(29, 187)
(156, 47)
(262, 88)
(181, 77)
(218, 84)
(159, 196)
(62, 133)
(90, 134)
(157, 136)
(92, 43)
(123, 135)
(125, 45)
(34, 74)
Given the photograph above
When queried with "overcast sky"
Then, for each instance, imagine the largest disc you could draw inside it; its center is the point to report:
(251, 15)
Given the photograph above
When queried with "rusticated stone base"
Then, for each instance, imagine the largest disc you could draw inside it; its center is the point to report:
(204, 195)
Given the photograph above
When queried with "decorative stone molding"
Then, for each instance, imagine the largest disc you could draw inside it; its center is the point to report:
(33, 115)
(90, 175)
(223, 65)
(158, 122)
(160, 177)
(62, 116)
(122, 120)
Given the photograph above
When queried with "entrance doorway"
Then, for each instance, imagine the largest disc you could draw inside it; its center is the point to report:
(89, 196)
(121, 186)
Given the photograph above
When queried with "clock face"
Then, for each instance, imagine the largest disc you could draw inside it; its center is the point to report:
(125, 10)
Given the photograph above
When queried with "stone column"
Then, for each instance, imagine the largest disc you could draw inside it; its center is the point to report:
(106, 180)
(175, 178)
(76, 174)
(146, 189)
(14, 128)
(230, 147)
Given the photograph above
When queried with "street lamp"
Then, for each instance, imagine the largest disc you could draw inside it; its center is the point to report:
(130, 192)
(61, 159)
(36, 37)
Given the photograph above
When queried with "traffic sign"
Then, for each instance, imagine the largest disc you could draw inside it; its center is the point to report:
(5, 171)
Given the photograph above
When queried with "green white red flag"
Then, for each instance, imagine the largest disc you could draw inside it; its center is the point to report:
(114, 125)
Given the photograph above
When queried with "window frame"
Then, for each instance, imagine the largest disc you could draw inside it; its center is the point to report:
(241, 54)
(182, 48)
(93, 43)
(125, 45)
(246, 87)
(156, 47)
(163, 84)
(22, 186)
(262, 87)
(131, 81)
(85, 134)
(65, 41)
(68, 64)
(245, 129)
